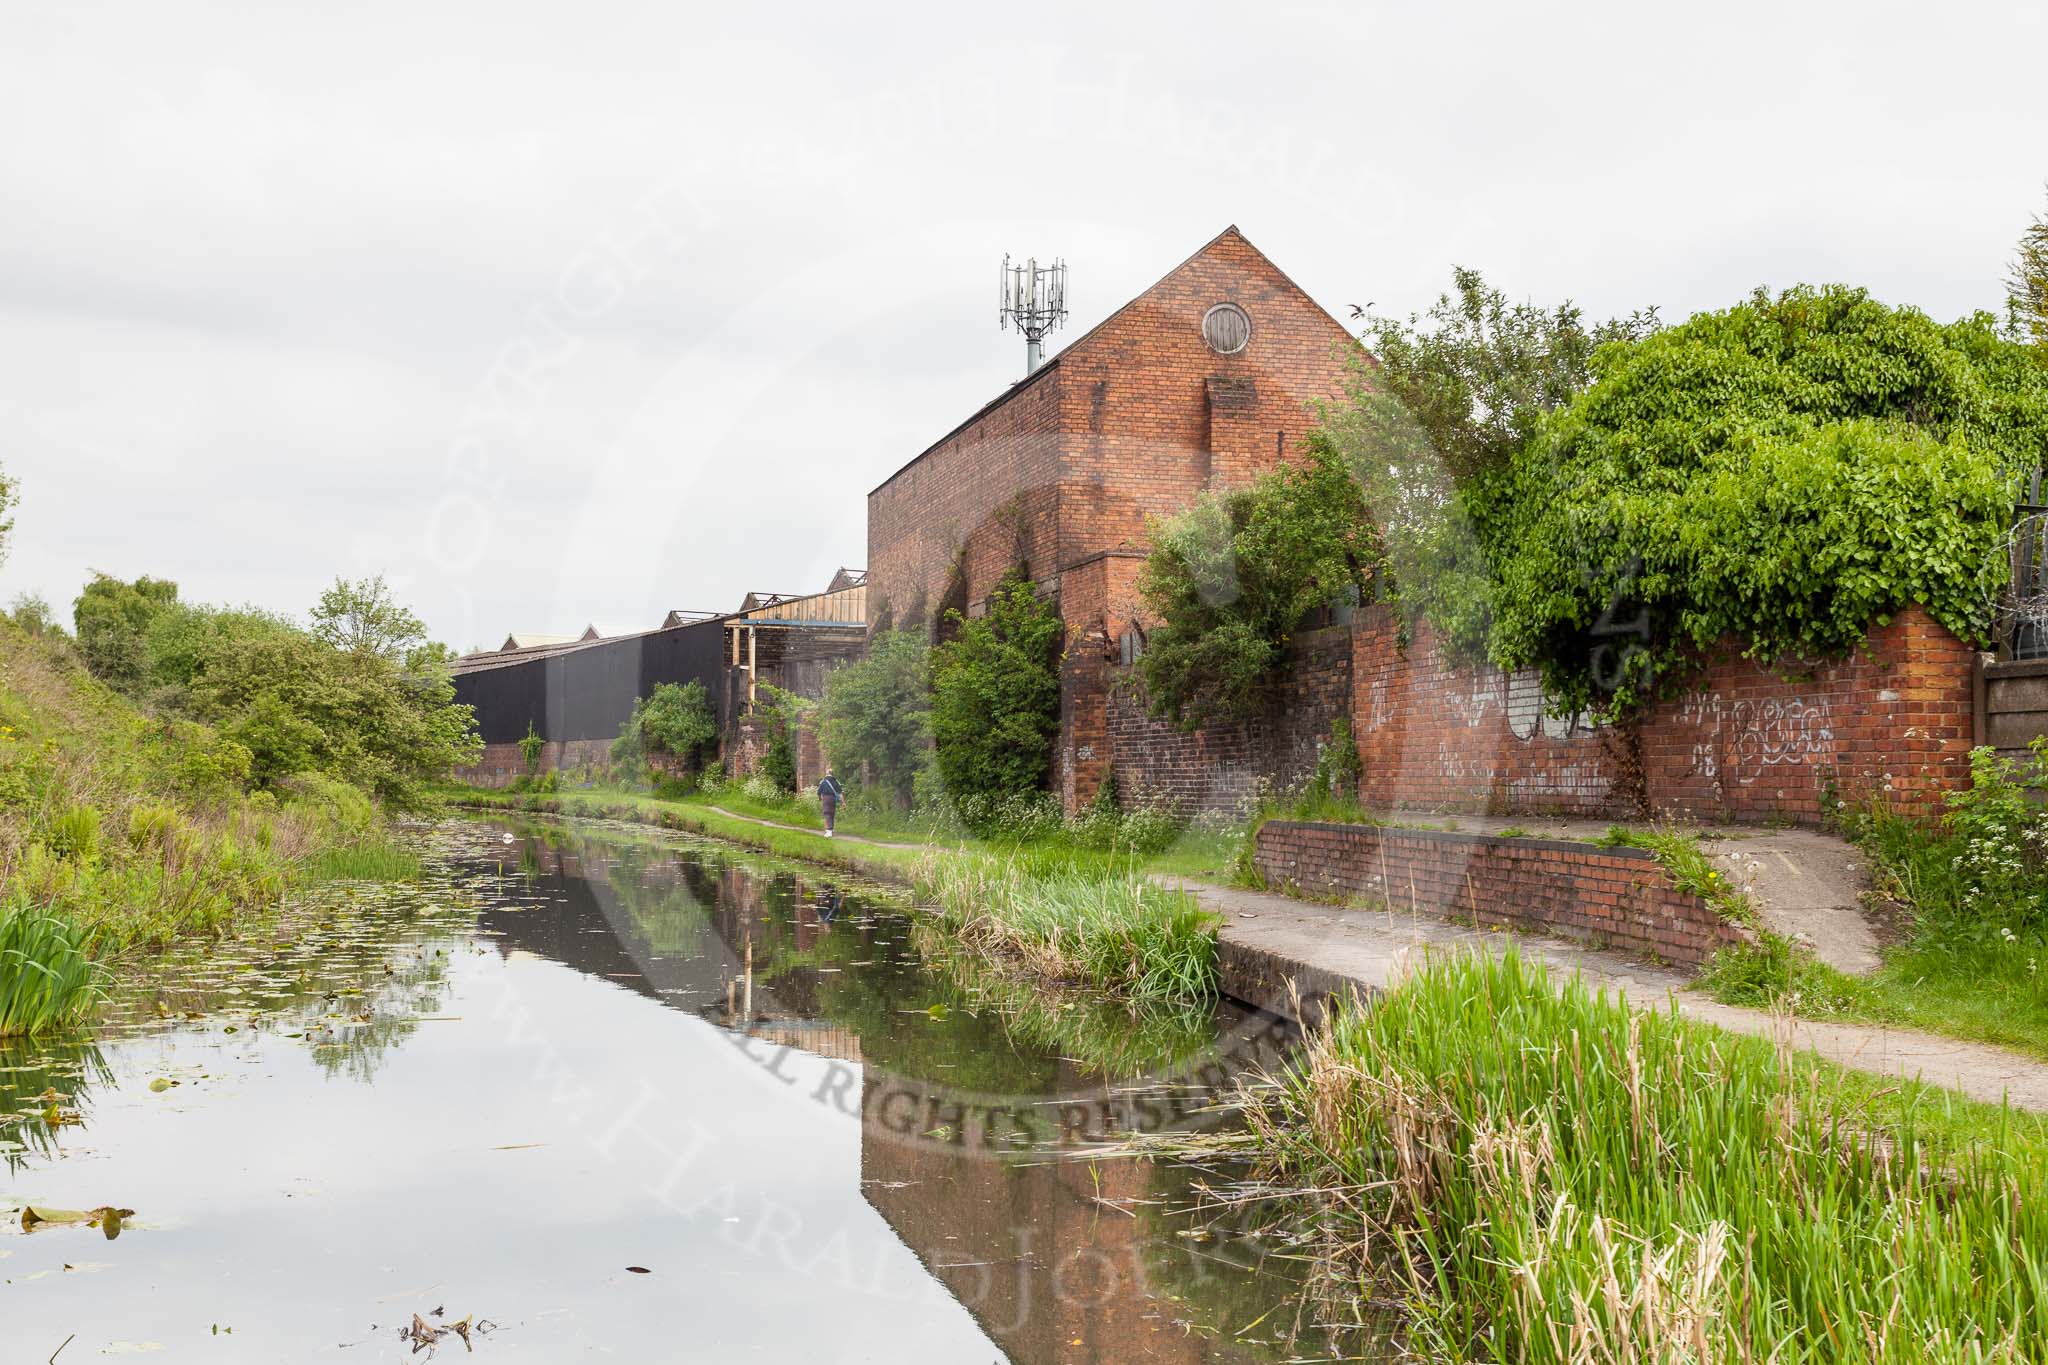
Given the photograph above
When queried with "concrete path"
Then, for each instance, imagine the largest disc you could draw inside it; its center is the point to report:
(1273, 949)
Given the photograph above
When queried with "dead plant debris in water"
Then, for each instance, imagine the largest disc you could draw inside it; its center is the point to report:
(429, 1336)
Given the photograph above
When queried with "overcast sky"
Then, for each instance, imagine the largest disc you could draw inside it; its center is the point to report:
(573, 312)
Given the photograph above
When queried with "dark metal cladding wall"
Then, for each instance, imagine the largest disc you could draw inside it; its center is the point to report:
(588, 693)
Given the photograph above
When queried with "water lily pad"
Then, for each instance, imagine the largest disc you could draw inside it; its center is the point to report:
(105, 1216)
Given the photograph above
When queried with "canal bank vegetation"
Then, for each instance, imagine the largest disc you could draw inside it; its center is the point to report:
(360, 695)
(175, 767)
(1053, 906)
(1115, 929)
(1546, 1174)
(1972, 892)
(117, 829)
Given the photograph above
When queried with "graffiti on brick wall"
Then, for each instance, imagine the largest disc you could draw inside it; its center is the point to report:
(1516, 702)
(1754, 736)
(1529, 711)
(1379, 704)
(1478, 695)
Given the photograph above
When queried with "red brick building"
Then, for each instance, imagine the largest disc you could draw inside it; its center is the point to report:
(1203, 381)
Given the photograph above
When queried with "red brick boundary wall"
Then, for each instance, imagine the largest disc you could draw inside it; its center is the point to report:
(1609, 897)
(1745, 742)
(1106, 724)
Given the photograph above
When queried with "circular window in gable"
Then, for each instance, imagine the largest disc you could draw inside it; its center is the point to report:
(1226, 328)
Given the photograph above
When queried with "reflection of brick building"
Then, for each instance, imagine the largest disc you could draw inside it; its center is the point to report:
(1061, 1262)
(1203, 381)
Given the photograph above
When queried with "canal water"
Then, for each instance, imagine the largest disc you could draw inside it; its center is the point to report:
(601, 1094)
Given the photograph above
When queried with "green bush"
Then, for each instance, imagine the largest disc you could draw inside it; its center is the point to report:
(74, 835)
(674, 719)
(1337, 771)
(1999, 828)
(778, 763)
(1231, 579)
(31, 612)
(875, 719)
(113, 621)
(155, 826)
(996, 694)
(207, 764)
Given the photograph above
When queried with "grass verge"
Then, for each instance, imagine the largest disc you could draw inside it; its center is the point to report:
(1548, 1175)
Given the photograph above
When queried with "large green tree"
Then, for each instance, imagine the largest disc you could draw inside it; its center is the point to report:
(1232, 577)
(875, 719)
(996, 694)
(1435, 414)
(1472, 378)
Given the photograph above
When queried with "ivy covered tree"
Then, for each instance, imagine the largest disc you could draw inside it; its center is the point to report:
(1232, 577)
(1789, 472)
(875, 719)
(996, 694)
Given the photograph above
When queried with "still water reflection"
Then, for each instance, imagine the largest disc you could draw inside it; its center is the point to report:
(630, 1098)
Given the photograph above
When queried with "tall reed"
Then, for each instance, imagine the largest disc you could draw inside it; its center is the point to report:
(1116, 930)
(1548, 1175)
(47, 979)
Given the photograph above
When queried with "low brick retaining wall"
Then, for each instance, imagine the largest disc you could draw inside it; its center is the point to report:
(1610, 897)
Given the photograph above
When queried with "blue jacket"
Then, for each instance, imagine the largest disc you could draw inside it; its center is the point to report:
(829, 789)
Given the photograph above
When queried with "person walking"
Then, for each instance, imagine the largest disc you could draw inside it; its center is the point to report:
(830, 794)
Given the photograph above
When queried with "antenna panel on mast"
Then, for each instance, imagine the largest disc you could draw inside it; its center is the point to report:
(1033, 297)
